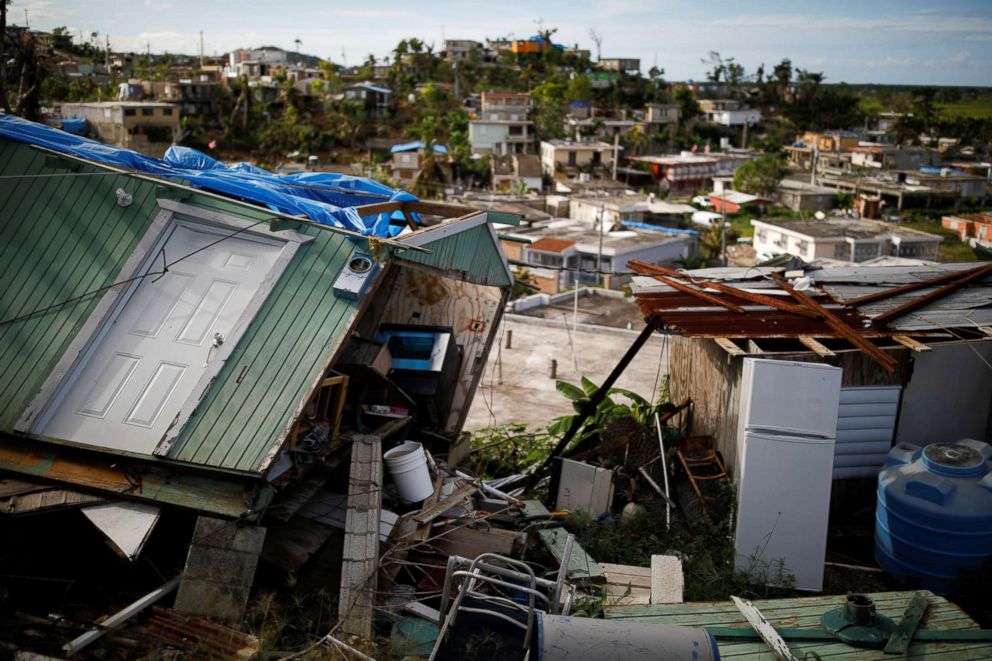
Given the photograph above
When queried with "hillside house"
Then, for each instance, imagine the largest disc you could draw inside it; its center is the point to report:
(406, 159)
(501, 125)
(728, 112)
(564, 159)
(375, 98)
(144, 126)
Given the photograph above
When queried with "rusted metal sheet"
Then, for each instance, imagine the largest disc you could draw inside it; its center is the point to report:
(197, 634)
(222, 494)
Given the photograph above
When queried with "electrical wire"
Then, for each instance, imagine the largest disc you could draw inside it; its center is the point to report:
(156, 274)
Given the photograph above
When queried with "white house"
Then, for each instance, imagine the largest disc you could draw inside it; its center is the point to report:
(847, 240)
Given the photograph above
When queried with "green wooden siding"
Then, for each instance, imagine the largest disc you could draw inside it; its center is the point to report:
(804, 613)
(266, 377)
(64, 236)
(60, 237)
(472, 254)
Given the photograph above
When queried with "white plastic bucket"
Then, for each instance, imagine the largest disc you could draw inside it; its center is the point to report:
(407, 464)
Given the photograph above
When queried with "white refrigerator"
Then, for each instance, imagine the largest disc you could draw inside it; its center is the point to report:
(785, 453)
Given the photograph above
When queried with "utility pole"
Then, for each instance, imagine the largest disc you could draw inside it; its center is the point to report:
(723, 225)
(201, 49)
(599, 255)
(616, 153)
(106, 56)
(3, 57)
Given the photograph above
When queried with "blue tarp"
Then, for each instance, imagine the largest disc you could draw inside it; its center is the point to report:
(634, 224)
(77, 126)
(417, 146)
(324, 197)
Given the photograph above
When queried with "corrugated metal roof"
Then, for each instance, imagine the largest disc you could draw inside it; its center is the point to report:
(967, 308)
(473, 254)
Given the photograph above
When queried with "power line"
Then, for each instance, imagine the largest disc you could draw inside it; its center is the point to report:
(158, 274)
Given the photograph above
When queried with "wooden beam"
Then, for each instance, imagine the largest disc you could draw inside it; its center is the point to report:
(842, 329)
(428, 208)
(761, 299)
(753, 348)
(922, 284)
(360, 564)
(729, 346)
(428, 514)
(814, 346)
(910, 343)
(935, 295)
(899, 641)
(699, 293)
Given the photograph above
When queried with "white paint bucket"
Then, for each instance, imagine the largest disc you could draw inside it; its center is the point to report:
(407, 464)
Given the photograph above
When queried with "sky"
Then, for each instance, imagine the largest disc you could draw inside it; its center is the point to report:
(947, 42)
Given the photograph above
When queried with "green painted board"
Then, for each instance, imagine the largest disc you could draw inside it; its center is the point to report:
(804, 613)
(60, 237)
(472, 254)
(580, 565)
(534, 509)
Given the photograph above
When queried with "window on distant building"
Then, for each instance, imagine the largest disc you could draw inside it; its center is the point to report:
(147, 112)
(167, 112)
(572, 159)
(129, 112)
(842, 251)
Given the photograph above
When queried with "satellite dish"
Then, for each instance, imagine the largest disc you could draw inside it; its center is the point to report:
(819, 215)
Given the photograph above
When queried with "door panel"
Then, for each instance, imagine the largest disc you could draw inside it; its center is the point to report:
(154, 349)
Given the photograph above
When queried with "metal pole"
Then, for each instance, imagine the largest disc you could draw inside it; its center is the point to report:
(597, 397)
(616, 153)
(599, 255)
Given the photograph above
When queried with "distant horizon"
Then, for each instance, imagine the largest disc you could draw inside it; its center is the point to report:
(872, 42)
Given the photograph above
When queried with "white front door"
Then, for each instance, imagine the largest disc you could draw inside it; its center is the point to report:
(170, 330)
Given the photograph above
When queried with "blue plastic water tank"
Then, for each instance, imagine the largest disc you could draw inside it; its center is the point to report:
(934, 514)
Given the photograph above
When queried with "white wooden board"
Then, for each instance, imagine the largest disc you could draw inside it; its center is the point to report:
(127, 525)
(667, 581)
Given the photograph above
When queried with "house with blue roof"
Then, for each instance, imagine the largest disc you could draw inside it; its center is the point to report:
(407, 158)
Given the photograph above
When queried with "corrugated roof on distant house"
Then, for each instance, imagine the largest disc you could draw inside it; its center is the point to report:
(416, 146)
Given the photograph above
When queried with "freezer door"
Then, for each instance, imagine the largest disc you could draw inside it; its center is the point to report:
(790, 397)
(783, 507)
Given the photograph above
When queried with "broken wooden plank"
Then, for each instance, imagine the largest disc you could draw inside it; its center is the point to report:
(729, 346)
(935, 295)
(900, 638)
(627, 585)
(581, 567)
(699, 293)
(911, 343)
(423, 532)
(428, 514)
(119, 618)
(473, 542)
(839, 325)
(954, 276)
(534, 509)
(126, 525)
(816, 347)
(767, 632)
(46, 498)
(651, 269)
(360, 564)
(667, 580)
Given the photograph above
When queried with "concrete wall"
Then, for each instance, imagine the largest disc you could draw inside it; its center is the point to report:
(948, 396)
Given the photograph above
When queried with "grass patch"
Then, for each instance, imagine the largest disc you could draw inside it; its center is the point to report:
(977, 108)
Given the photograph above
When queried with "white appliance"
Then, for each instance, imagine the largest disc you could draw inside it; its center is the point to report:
(785, 458)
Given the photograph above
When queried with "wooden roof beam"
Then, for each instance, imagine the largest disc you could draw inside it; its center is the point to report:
(838, 325)
(814, 346)
(699, 293)
(956, 276)
(935, 295)
(761, 299)
(910, 343)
